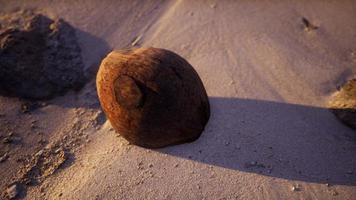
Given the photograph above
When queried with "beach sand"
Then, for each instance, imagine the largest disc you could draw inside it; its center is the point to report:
(269, 68)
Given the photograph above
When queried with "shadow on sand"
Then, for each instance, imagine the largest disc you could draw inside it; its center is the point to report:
(293, 142)
(93, 50)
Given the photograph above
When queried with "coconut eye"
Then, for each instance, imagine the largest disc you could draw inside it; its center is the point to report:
(127, 92)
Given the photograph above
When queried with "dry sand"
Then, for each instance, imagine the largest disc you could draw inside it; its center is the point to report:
(269, 68)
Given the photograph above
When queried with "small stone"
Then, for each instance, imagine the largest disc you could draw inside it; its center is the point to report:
(24, 108)
(4, 157)
(58, 150)
(295, 188)
(13, 191)
(7, 140)
(150, 165)
(39, 153)
(307, 25)
(328, 185)
(176, 165)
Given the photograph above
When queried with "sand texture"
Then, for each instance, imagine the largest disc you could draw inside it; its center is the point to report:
(269, 69)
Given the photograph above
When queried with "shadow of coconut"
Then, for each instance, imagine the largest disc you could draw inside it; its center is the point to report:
(288, 141)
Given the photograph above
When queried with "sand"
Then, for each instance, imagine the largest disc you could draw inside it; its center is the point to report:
(269, 68)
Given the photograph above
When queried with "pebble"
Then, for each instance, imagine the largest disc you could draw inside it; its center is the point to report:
(39, 153)
(4, 157)
(7, 140)
(12, 191)
(295, 188)
(33, 126)
(58, 150)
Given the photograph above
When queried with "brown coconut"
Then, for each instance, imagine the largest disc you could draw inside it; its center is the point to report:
(152, 97)
(343, 103)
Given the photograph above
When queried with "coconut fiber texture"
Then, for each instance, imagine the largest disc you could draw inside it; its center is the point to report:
(152, 97)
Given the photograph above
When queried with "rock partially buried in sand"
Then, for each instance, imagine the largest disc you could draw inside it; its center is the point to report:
(39, 56)
(152, 97)
(343, 103)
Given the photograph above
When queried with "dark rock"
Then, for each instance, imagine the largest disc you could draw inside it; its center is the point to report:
(152, 97)
(39, 57)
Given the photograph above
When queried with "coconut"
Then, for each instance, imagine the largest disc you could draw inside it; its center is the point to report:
(152, 97)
